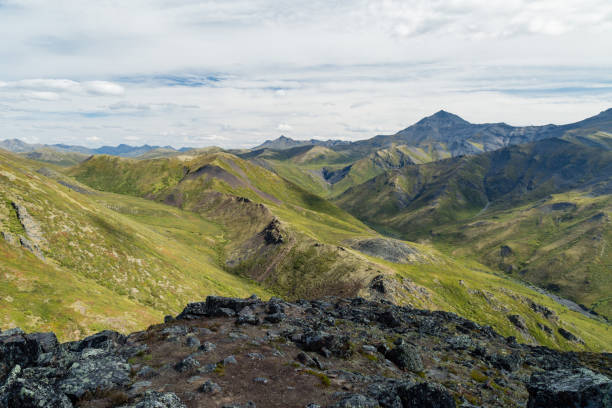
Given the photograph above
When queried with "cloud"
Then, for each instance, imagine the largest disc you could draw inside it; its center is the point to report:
(238, 72)
(103, 88)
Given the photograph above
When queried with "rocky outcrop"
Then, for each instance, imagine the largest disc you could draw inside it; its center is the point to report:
(332, 352)
(272, 233)
(569, 388)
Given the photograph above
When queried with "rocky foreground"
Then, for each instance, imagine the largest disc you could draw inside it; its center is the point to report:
(333, 352)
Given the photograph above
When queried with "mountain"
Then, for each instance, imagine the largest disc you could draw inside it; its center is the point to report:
(298, 245)
(436, 137)
(545, 204)
(284, 142)
(122, 150)
(332, 352)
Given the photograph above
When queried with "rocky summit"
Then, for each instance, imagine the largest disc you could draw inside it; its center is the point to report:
(333, 352)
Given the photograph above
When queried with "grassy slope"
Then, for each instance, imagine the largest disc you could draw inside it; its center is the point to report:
(462, 286)
(122, 256)
(445, 202)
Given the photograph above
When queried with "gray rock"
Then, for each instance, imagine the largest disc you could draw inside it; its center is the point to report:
(95, 374)
(426, 395)
(460, 342)
(260, 380)
(210, 387)
(518, 322)
(22, 393)
(569, 388)
(147, 372)
(229, 360)
(192, 341)
(406, 357)
(356, 401)
(187, 364)
(154, 399)
(207, 347)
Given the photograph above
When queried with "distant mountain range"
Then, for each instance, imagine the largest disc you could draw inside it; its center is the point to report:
(122, 150)
(444, 134)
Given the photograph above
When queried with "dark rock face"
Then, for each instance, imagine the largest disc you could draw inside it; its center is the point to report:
(505, 251)
(518, 321)
(272, 233)
(569, 335)
(569, 388)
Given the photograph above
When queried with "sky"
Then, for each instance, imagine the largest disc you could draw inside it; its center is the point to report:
(233, 73)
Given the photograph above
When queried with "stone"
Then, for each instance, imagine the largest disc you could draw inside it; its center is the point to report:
(192, 341)
(260, 380)
(210, 387)
(579, 387)
(568, 335)
(518, 322)
(154, 399)
(426, 395)
(98, 373)
(187, 364)
(229, 360)
(356, 401)
(406, 357)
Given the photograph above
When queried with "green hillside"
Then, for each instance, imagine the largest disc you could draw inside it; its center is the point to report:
(104, 260)
(319, 252)
(548, 202)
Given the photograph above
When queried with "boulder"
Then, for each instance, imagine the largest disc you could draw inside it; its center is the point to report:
(406, 357)
(154, 399)
(98, 373)
(579, 387)
(356, 401)
(426, 395)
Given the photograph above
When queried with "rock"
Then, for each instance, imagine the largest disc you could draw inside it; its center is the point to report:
(275, 318)
(356, 401)
(22, 393)
(426, 395)
(260, 380)
(569, 388)
(569, 336)
(406, 357)
(505, 251)
(154, 399)
(229, 360)
(137, 387)
(105, 340)
(460, 342)
(98, 373)
(147, 372)
(325, 343)
(272, 233)
(169, 319)
(256, 356)
(518, 322)
(207, 347)
(210, 387)
(192, 341)
(509, 362)
(545, 328)
(187, 364)
(247, 316)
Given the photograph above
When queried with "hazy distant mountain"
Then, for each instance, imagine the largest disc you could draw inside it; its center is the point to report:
(284, 142)
(123, 150)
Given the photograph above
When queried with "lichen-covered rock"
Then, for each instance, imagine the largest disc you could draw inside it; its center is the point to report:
(98, 373)
(579, 388)
(356, 401)
(406, 357)
(154, 399)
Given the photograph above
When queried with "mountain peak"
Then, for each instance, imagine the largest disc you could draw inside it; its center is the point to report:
(442, 117)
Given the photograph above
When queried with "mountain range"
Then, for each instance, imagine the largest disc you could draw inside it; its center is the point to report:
(517, 223)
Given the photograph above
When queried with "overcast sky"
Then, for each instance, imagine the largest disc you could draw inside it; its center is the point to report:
(235, 72)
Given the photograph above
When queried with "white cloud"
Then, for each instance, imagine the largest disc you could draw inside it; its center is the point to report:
(238, 72)
(103, 88)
